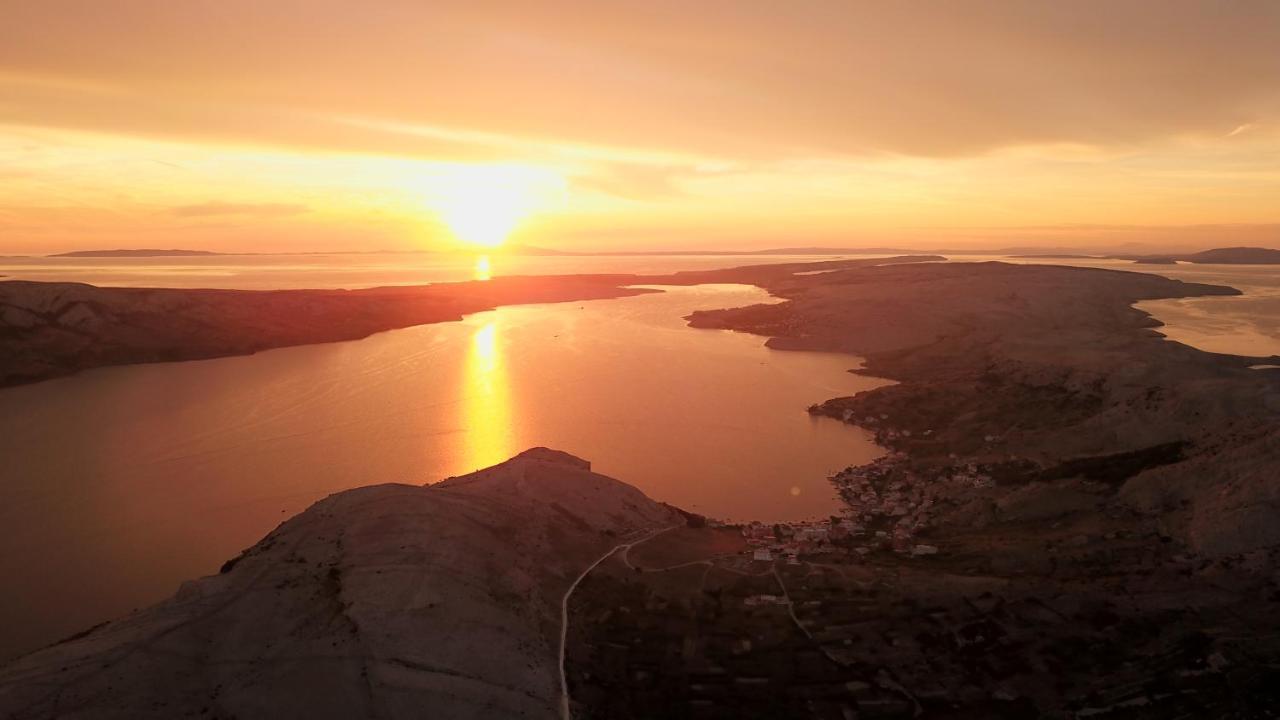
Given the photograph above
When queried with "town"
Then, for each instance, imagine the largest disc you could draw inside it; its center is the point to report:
(888, 507)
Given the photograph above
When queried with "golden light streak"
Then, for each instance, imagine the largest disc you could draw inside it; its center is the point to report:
(486, 406)
(483, 269)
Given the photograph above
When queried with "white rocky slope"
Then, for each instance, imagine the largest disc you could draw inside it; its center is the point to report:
(391, 601)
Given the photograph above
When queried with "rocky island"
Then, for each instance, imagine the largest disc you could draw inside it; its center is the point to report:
(1216, 256)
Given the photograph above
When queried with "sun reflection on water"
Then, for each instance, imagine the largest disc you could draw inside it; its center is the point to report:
(484, 268)
(486, 401)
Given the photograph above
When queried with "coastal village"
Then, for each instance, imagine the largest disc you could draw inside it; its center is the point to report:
(882, 516)
(887, 508)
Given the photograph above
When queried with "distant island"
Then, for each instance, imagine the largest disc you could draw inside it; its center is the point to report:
(1221, 256)
(1058, 256)
(141, 252)
(1236, 256)
(1216, 256)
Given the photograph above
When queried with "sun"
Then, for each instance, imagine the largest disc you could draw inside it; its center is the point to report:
(483, 204)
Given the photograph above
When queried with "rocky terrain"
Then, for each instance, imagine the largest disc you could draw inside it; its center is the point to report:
(1075, 519)
(1040, 375)
(389, 601)
(49, 330)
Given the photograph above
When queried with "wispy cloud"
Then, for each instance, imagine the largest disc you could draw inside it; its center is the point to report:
(257, 210)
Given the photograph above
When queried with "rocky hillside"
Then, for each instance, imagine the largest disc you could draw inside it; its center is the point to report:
(52, 329)
(386, 601)
(1041, 373)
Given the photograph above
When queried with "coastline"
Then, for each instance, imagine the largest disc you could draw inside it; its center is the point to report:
(1061, 478)
(50, 330)
(1014, 376)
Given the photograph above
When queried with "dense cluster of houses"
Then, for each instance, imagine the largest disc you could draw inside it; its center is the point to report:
(885, 523)
(890, 501)
(887, 508)
(788, 541)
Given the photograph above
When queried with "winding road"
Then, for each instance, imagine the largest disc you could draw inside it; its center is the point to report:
(565, 712)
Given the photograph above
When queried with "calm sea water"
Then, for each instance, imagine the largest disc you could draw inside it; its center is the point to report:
(121, 482)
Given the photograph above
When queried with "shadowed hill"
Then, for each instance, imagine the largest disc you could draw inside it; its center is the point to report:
(389, 601)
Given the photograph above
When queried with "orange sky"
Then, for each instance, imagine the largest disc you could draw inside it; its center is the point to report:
(290, 125)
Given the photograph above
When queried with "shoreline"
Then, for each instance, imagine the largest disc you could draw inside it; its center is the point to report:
(1004, 378)
(50, 330)
(1060, 477)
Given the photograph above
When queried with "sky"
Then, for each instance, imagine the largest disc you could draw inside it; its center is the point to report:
(314, 125)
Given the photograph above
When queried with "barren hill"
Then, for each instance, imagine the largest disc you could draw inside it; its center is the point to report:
(380, 602)
(49, 330)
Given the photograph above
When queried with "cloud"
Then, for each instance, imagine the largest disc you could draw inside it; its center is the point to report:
(635, 182)
(742, 79)
(256, 210)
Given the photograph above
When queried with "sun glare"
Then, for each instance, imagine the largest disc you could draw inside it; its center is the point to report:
(483, 205)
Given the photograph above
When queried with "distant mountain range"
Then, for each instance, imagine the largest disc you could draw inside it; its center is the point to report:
(1223, 256)
(1242, 255)
(142, 252)
(1216, 256)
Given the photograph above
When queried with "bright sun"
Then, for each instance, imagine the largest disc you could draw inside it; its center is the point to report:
(482, 205)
